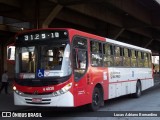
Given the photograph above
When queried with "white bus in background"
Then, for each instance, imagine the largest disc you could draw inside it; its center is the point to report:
(11, 53)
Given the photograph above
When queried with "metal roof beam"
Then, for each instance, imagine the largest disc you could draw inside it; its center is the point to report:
(156, 19)
(116, 19)
(9, 28)
(142, 32)
(132, 8)
(148, 43)
(120, 32)
(52, 15)
(107, 16)
(92, 11)
(71, 17)
(13, 3)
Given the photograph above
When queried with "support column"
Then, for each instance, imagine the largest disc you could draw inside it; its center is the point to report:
(120, 32)
(159, 63)
(37, 14)
(1, 59)
(5, 57)
(148, 43)
(52, 16)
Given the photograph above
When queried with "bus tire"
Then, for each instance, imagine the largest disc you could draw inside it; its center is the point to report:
(97, 100)
(138, 92)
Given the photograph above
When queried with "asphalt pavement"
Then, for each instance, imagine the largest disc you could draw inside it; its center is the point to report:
(148, 102)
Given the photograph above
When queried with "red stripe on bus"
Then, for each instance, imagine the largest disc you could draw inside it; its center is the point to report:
(130, 80)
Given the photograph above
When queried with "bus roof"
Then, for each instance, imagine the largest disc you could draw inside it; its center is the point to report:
(89, 35)
(127, 45)
(113, 41)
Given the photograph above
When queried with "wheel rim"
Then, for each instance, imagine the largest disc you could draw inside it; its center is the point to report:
(96, 99)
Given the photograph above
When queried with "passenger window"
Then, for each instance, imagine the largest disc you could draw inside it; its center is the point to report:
(149, 59)
(133, 58)
(126, 57)
(96, 53)
(108, 55)
(140, 59)
(80, 58)
(118, 56)
(96, 47)
(146, 58)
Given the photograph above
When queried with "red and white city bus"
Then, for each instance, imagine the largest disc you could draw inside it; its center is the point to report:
(68, 68)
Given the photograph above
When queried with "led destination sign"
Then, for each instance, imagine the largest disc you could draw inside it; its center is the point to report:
(42, 35)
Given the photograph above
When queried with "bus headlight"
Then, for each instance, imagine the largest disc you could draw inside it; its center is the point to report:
(18, 92)
(65, 89)
(14, 88)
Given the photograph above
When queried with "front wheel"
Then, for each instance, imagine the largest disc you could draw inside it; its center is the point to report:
(97, 99)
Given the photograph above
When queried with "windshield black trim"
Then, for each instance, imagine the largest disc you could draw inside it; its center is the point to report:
(42, 82)
(37, 43)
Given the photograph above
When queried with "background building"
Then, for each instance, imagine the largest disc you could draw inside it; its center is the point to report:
(155, 61)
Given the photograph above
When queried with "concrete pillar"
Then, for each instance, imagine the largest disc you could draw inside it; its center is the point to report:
(101, 29)
(4, 58)
(120, 32)
(51, 16)
(1, 20)
(37, 13)
(148, 43)
(1, 58)
(159, 63)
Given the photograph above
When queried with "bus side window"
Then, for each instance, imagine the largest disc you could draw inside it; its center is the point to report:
(146, 60)
(126, 58)
(140, 59)
(133, 58)
(80, 57)
(108, 55)
(96, 53)
(118, 56)
(149, 59)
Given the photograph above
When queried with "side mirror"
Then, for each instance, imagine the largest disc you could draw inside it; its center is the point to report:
(9, 54)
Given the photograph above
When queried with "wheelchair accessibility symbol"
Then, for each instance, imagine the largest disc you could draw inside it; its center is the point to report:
(40, 73)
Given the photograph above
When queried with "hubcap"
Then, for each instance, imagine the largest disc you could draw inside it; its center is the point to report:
(95, 99)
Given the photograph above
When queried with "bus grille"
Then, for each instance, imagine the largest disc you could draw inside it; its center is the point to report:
(44, 101)
(38, 93)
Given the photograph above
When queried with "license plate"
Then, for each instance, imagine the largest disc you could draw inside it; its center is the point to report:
(37, 100)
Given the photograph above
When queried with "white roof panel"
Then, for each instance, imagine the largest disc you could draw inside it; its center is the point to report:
(126, 45)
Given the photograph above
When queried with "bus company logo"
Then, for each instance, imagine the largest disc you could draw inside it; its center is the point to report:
(115, 75)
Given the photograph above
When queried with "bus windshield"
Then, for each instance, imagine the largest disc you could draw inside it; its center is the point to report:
(54, 60)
